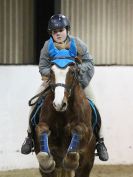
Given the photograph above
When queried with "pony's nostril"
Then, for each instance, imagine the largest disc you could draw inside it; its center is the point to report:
(64, 105)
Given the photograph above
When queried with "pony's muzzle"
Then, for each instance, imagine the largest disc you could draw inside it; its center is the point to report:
(60, 107)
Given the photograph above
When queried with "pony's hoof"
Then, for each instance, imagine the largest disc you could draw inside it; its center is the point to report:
(46, 162)
(71, 161)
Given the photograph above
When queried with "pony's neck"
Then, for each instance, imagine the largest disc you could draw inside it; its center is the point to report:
(78, 93)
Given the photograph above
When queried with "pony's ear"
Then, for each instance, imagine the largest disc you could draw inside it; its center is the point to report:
(51, 48)
(73, 49)
(78, 60)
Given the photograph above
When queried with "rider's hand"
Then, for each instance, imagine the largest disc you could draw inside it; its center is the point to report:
(45, 78)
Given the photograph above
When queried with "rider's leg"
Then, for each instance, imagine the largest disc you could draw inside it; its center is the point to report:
(27, 146)
(28, 142)
(100, 146)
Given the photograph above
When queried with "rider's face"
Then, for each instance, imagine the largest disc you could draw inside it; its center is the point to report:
(59, 35)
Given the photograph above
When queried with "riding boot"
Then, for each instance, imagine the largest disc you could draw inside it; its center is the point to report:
(102, 150)
(100, 146)
(28, 145)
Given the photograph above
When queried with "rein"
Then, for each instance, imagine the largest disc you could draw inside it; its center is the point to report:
(43, 93)
(53, 86)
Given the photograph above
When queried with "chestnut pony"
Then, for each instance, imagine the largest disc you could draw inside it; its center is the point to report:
(64, 137)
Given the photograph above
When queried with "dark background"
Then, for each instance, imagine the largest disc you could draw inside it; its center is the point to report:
(43, 11)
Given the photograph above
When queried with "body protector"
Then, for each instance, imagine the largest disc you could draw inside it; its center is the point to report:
(62, 58)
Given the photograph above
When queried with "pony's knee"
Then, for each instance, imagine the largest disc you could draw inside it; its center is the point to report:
(81, 130)
(41, 128)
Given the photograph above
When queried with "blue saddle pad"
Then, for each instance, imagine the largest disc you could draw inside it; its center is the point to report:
(94, 114)
(35, 113)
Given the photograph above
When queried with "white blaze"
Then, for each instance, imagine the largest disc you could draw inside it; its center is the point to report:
(60, 77)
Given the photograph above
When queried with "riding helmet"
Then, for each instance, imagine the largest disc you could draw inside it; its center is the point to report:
(58, 21)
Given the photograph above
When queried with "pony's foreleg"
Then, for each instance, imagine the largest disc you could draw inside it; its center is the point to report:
(74, 142)
(46, 162)
(79, 134)
(71, 160)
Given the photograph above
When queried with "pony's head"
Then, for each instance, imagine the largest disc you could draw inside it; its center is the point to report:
(64, 81)
(64, 71)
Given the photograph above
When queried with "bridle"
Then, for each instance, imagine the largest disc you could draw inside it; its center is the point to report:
(52, 87)
(67, 88)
